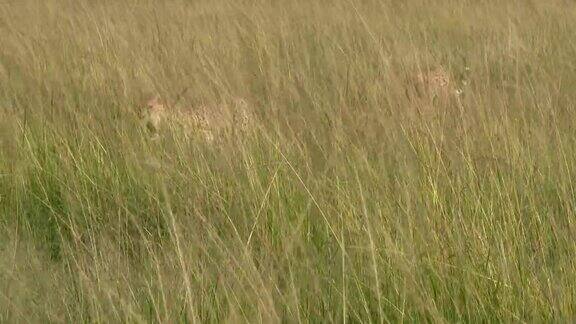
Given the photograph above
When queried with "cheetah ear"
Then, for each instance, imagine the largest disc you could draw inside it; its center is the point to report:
(154, 100)
(180, 96)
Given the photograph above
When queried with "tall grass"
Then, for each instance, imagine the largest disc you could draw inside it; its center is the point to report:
(347, 204)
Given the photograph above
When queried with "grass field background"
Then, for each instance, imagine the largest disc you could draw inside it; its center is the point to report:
(344, 205)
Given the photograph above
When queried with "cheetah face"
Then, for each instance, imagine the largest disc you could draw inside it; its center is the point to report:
(435, 83)
(152, 114)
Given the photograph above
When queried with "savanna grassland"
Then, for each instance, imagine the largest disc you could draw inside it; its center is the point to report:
(352, 199)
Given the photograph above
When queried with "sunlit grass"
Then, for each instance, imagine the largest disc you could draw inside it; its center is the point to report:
(354, 199)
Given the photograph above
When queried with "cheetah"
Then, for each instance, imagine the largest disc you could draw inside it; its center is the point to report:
(152, 114)
(435, 91)
(208, 122)
(434, 84)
